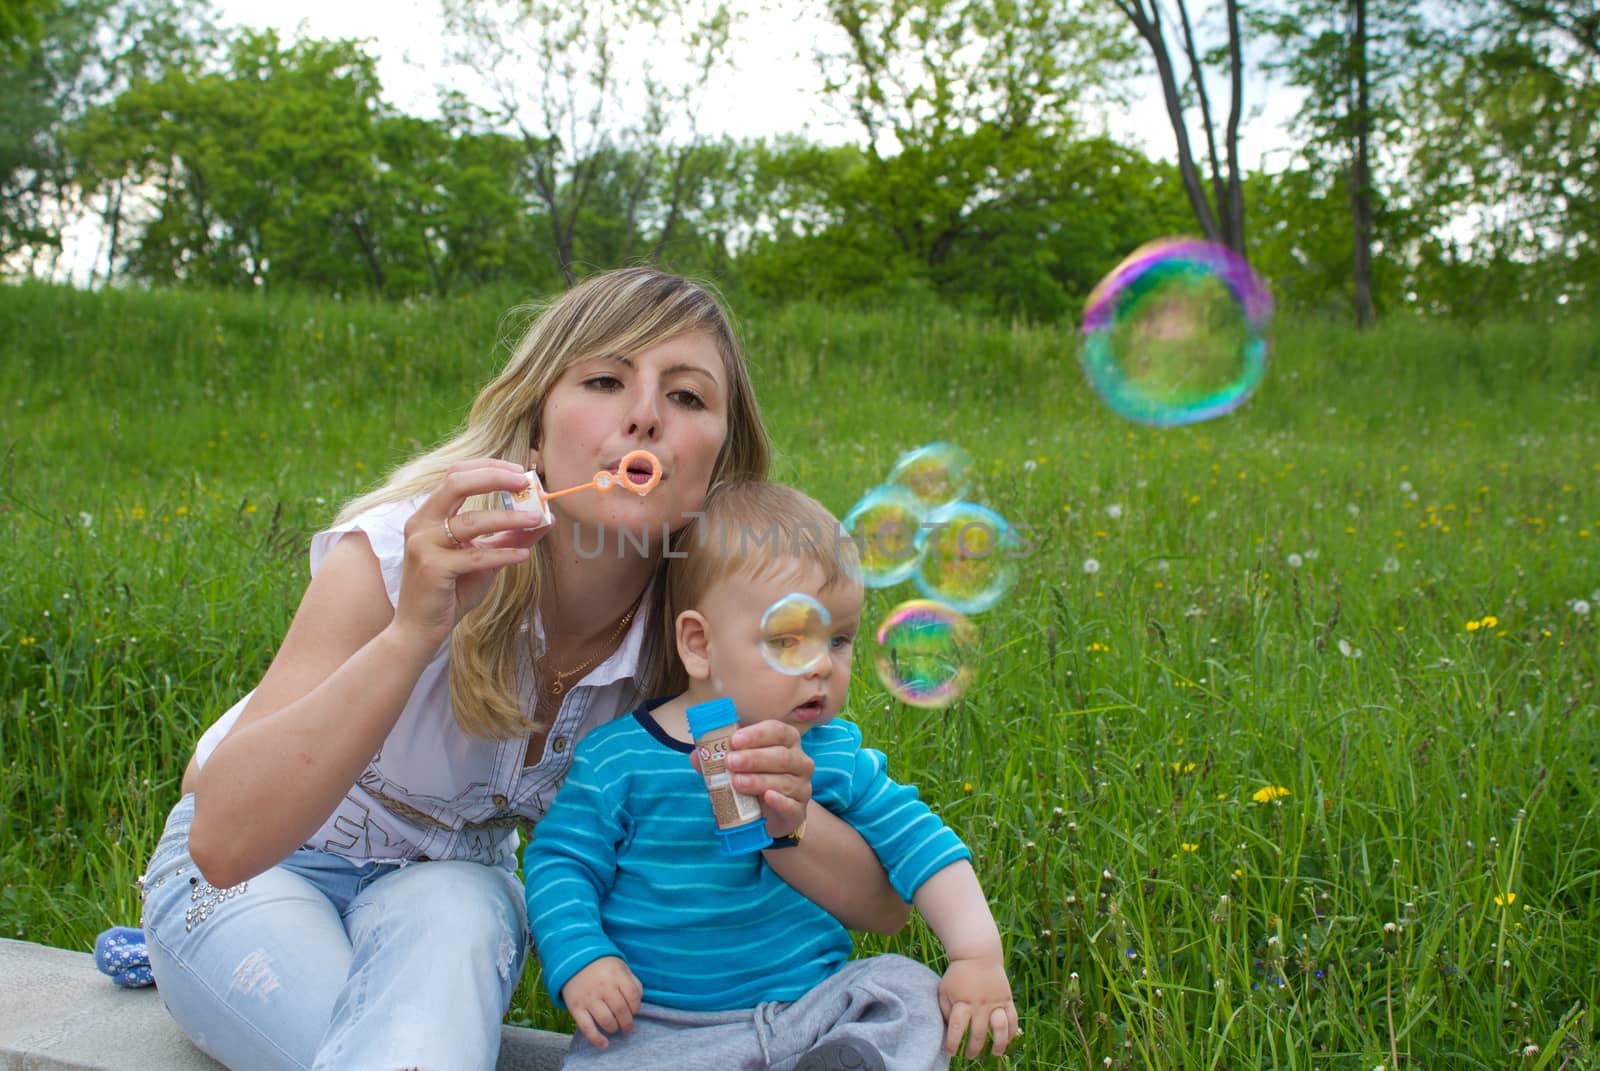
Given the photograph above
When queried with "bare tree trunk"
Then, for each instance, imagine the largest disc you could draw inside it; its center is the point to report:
(114, 225)
(1360, 172)
(1235, 210)
(1148, 23)
(369, 252)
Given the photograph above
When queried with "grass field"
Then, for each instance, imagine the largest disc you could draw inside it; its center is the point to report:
(1282, 752)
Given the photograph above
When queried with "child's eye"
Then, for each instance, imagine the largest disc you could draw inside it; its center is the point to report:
(843, 641)
(783, 643)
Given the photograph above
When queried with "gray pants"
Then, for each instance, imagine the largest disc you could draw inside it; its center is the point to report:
(888, 1002)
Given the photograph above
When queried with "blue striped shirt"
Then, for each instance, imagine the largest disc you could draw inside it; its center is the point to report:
(627, 863)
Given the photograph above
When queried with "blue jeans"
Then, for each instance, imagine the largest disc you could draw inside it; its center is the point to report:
(324, 963)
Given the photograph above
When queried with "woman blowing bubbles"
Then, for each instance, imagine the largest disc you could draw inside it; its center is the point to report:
(335, 889)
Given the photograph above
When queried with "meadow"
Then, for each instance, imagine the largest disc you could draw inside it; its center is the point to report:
(1281, 753)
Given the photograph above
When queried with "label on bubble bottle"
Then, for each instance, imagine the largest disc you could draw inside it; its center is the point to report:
(529, 500)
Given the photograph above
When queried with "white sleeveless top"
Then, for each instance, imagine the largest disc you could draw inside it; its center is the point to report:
(433, 792)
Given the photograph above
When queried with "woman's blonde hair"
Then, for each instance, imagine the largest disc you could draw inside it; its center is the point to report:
(617, 312)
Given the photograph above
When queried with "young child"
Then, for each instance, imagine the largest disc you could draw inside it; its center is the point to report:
(685, 956)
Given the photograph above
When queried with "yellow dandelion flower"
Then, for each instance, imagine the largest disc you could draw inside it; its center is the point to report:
(1269, 794)
(1473, 626)
(1186, 846)
(1489, 622)
(967, 787)
(28, 641)
(1505, 899)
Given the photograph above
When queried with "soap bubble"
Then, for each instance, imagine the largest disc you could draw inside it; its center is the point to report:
(936, 473)
(968, 557)
(795, 632)
(884, 525)
(926, 651)
(1176, 333)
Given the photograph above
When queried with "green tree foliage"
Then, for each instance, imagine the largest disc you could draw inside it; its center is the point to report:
(85, 53)
(22, 23)
(1353, 59)
(1036, 252)
(285, 168)
(562, 78)
(961, 104)
(1508, 148)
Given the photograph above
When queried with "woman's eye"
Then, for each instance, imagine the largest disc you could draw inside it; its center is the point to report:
(602, 382)
(689, 399)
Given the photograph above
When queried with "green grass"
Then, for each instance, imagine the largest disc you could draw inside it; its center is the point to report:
(1293, 596)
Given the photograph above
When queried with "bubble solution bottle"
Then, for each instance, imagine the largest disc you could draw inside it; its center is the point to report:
(739, 823)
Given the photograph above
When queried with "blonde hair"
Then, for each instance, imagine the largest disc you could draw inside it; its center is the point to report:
(617, 312)
(750, 528)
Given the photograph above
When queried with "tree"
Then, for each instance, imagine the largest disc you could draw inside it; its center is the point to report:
(264, 172)
(85, 54)
(1508, 144)
(22, 23)
(961, 105)
(1351, 56)
(1220, 215)
(561, 75)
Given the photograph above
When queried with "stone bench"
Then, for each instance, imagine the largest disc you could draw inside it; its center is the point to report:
(58, 1013)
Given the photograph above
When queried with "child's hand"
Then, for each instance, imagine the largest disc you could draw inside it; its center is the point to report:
(768, 763)
(603, 997)
(975, 993)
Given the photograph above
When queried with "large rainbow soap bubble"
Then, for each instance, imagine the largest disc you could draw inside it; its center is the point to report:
(968, 557)
(937, 473)
(884, 525)
(926, 652)
(1177, 333)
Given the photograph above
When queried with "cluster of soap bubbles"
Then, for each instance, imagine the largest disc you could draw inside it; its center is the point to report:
(916, 526)
(962, 557)
(1177, 333)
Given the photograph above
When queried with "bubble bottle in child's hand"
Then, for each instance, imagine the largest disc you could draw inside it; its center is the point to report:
(740, 826)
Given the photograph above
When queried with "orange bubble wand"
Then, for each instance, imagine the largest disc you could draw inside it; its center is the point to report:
(532, 498)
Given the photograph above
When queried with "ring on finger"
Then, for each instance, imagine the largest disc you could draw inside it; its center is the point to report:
(451, 535)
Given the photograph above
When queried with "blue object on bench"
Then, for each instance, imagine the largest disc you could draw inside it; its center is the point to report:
(120, 953)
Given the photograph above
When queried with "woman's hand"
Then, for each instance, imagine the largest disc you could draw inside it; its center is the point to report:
(767, 762)
(452, 557)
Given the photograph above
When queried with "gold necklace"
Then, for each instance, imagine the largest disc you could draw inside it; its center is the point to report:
(557, 684)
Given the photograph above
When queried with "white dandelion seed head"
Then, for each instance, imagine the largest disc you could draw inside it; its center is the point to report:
(1114, 510)
(1580, 607)
(1029, 465)
(1405, 485)
(1295, 561)
(1091, 566)
(86, 519)
(1353, 509)
(1391, 564)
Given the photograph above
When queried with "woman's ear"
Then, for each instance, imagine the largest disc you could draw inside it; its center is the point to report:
(694, 645)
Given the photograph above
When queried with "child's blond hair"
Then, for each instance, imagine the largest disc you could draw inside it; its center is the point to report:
(751, 528)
